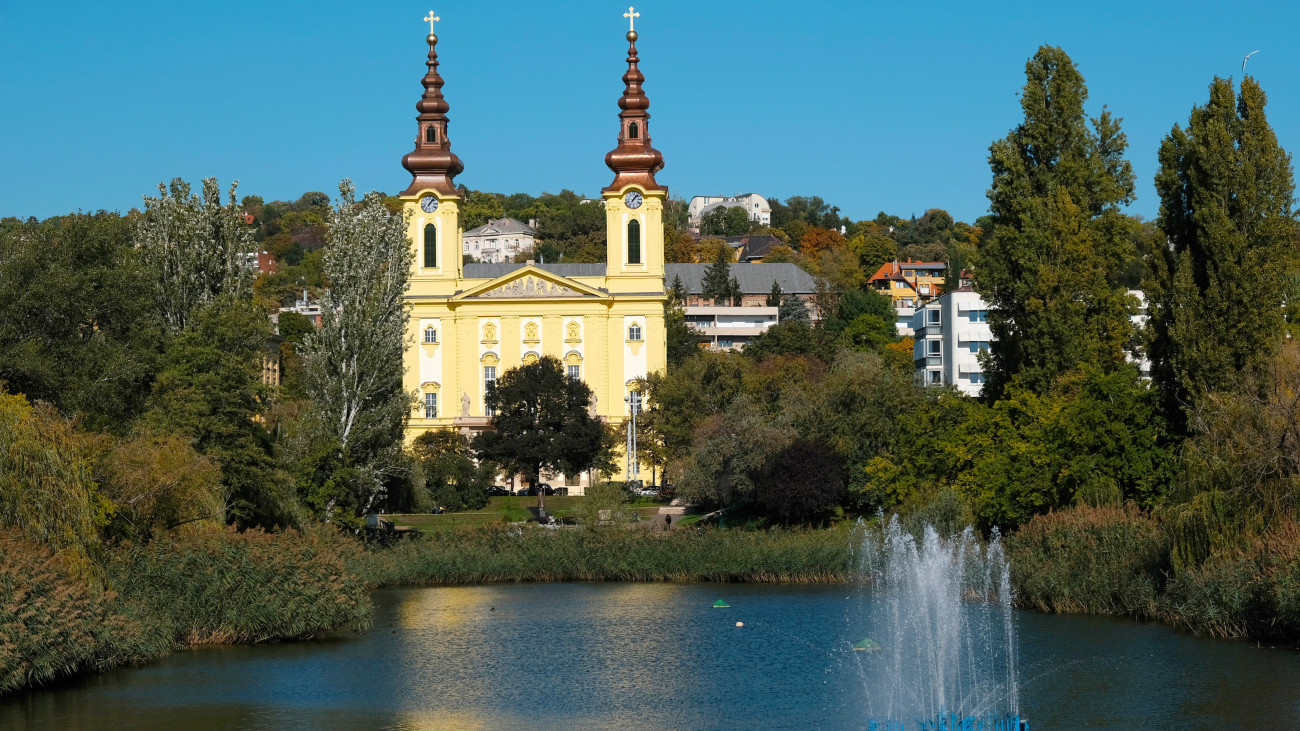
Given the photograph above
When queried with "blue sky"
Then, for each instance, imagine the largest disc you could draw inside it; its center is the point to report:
(873, 106)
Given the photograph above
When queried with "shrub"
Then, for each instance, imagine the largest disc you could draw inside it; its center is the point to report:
(1250, 591)
(226, 586)
(1105, 560)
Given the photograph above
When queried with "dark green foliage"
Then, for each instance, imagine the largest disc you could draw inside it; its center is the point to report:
(864, 320)
(683, 340)
(805, 484)
(1096, 560)
(793, 309)
(699, 386)
(774, 297)
(454, 481)
(79, 327)
(1218, 289)
(677, 292)
(542, 421)
(294, 327)
(210, 391)
(725, 221)
(1050, 268)
(1096, 438)
(792, 337)
(717, 283)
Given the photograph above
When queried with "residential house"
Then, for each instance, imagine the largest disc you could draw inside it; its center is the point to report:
(755, 205)
(728, 328)
(951, 331)
(499, 240)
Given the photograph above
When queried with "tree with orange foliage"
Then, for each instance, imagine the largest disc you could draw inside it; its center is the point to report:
(818, 240)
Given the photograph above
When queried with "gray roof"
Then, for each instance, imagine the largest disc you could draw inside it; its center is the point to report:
(502, 227)
(753, 278)
(492, 270)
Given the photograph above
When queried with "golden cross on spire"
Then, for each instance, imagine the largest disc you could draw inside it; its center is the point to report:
(631, 16)
(432, 19)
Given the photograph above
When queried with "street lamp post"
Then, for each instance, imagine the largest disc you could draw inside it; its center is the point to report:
(633, 401)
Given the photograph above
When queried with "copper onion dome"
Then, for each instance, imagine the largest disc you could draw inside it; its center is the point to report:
(634, 161)
(432, 163)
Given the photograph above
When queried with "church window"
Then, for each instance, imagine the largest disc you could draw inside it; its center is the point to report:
(430, 335)
(489, 387)
(430, 405)
(633, 131)
(634, 332)
(430, 246)
(431, 134)
(634, 242)
(575, 372)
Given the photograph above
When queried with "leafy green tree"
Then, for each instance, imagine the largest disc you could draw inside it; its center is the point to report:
(731, 453)
(699, 386)
(774, 297)
(874, 250)
(735, 221)
(1217, 290)
(1059, 242)
(793, 309)
(210, 391)
(452, 477)
(79, 324)
(479, 208)
(716, 284)
(804, 484)
(683, 341)
(194, 245)
(542, 421)
(352, 362)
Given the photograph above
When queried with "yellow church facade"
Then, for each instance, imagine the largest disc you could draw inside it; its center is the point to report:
(469, 323)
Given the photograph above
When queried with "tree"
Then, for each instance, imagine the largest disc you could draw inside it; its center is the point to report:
(793, 309)
(683, 341)
(453, 479)
(159, 482)
(79, 323)
(210, 391)
(716, 284)
(874, 250)
(479, 208)
(774, 297)
(542, 421)
(194, 246)
(818, 240)
(1050, 269)
(677, 292)
(682, 249)
(731, 453)
(1217, 290)
(353, 362)
(804, 484)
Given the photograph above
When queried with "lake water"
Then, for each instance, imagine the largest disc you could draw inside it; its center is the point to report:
(655, 656)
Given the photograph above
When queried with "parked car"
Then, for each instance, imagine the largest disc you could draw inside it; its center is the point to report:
(495, 491)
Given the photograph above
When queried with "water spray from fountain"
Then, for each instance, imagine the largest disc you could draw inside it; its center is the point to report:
(941, 615)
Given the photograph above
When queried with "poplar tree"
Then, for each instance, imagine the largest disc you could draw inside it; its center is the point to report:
(353, 363)
(1050, 267)
(1217, 289)
(195, 245)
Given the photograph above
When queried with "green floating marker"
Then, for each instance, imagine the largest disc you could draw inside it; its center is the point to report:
(867, 645)
(719, 604)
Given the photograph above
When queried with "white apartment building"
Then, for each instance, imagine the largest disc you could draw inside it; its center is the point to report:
(500, 239)
(759, 210)
(728, 328)
(950, 332)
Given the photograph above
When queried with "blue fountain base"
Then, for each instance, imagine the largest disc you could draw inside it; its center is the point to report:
(951, 722)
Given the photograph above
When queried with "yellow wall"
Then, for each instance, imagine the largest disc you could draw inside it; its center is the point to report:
(476, 325)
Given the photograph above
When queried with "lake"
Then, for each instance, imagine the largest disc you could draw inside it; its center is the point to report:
(655, 656)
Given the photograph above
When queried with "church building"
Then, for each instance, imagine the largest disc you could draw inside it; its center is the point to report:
(471, 322)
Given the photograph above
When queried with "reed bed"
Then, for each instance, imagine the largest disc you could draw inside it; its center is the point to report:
(501, 554)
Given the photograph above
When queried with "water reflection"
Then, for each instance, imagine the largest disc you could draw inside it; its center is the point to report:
(652, 656)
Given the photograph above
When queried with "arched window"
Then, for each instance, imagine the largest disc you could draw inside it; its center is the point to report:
(431, 134)
(633, 131)
(430, 246)
(634, 332)
(430, 335)
(634, 242)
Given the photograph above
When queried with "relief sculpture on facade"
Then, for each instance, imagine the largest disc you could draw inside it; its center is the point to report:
(529, 287)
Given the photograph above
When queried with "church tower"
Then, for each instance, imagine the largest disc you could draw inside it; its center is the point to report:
(634, 202)
(432, 199)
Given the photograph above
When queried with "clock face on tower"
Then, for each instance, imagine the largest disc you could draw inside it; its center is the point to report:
(429, 204)
(632, 199)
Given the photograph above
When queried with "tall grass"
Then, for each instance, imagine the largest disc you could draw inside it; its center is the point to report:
(233, 587)
(1103, 560)
(496, 554)
(54, 622)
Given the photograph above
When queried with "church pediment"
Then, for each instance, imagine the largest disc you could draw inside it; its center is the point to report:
(530, 283)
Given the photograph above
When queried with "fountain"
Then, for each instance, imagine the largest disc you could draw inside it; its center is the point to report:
(943, 647)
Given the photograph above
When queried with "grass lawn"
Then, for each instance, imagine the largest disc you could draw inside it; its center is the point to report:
(508, 509)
